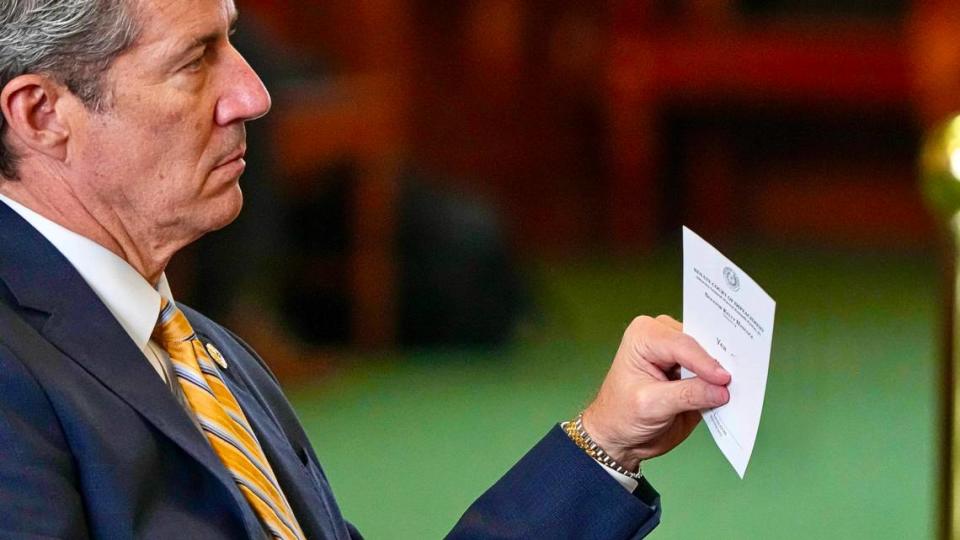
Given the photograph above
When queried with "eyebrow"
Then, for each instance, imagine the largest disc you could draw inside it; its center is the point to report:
(209, 38)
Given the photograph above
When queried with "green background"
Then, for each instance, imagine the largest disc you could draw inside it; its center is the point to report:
(847, 442)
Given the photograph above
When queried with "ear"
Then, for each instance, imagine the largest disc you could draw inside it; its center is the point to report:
(29, 106)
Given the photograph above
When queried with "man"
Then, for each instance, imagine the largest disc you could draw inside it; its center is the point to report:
(123, 415)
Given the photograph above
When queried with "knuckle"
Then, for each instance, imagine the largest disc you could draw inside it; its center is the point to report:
(688, 395)
(639, 325)
(663, 318)
(641, 321)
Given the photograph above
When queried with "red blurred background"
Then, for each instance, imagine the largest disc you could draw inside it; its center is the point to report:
(602, 126)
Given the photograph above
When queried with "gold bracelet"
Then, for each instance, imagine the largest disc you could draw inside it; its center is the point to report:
(575, 430)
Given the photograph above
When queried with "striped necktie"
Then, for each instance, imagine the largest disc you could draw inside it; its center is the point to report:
(224, 423)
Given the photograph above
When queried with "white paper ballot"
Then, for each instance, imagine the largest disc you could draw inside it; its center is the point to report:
(731, 317)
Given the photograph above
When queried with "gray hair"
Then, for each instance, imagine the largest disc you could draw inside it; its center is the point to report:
(72, 41)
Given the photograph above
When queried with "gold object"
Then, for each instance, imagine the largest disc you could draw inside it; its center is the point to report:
(940, 168)
(216, 355)
(571, 430)
(578, 434)
(940, 184)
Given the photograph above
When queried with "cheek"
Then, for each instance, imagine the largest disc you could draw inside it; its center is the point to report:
(178, 146)
(170, 130)
(160, 137)
(172, 117)
(187, 137)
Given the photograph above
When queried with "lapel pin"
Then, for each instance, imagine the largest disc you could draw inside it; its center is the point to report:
(217, 356)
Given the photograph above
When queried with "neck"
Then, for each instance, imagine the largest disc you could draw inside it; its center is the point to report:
(96, 222)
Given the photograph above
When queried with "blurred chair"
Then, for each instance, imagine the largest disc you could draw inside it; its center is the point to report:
(357, 119)
(358, 115)
(703, 56)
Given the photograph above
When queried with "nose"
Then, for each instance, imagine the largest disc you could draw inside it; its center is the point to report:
(244, 96)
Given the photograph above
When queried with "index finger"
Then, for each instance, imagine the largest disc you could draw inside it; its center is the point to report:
(667, 348)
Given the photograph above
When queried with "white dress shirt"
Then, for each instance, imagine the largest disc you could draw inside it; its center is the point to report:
(132, 301)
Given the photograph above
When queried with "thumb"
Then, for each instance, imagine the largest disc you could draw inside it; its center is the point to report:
(692, 394)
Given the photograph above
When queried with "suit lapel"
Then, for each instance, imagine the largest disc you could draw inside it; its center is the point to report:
(309, 508)
(314, 505)
(83, 328)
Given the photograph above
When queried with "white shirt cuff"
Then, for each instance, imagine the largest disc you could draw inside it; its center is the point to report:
(628, 483)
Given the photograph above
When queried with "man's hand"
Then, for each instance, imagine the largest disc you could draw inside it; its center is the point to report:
(643, 409)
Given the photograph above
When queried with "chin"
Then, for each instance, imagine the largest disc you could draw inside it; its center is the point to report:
(232, 209)
(226, 209)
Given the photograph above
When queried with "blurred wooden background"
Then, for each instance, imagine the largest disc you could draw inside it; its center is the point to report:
(615, 121)
(605, 125)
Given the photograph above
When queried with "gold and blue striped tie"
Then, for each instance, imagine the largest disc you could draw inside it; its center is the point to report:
(224, 423)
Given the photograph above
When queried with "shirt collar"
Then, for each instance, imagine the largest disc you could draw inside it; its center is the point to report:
(128, 296)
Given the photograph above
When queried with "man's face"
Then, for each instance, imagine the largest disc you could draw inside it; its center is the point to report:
(165, 156)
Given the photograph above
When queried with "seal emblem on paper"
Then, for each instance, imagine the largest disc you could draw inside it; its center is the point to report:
(732, 279)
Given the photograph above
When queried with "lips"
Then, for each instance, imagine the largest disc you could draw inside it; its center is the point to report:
(233, 156)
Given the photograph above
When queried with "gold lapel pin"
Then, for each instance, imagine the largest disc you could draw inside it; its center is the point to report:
(217, 356)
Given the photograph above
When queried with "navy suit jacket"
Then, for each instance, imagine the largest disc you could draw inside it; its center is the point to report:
(94, 445)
